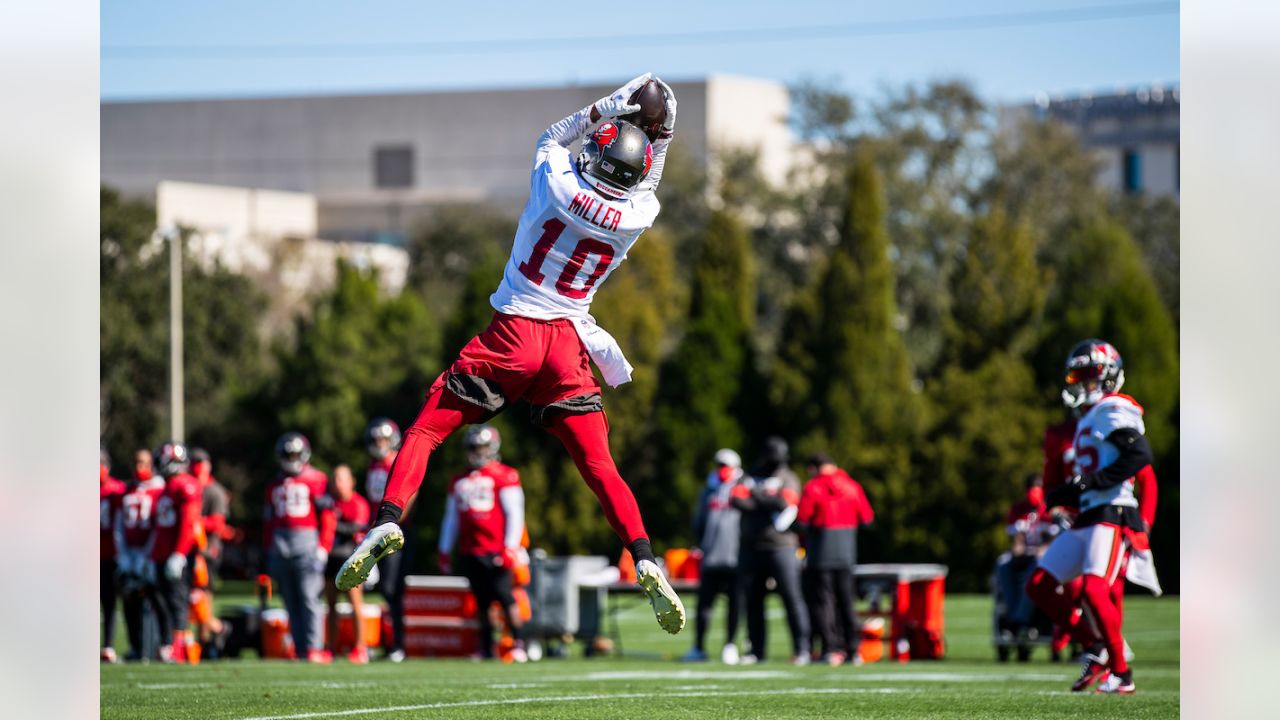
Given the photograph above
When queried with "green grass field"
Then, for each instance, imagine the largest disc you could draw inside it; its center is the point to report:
(968, 684)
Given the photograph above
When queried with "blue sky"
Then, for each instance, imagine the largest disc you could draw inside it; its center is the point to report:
(378, 47)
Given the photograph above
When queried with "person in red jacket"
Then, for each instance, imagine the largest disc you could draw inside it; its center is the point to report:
(131, 514)
(832, 507)
(173, 539)
(351, 516)
(484, 514)
(109, 490)
(298, 530)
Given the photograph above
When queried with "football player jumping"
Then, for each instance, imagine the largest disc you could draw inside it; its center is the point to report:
(582, 217)
(1110, 450)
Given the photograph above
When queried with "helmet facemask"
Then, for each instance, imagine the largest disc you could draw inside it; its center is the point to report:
(293, 452)
(482, 444)
(381, 438)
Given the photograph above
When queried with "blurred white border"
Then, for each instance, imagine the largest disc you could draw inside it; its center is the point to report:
(1230, 344)
(48, 358)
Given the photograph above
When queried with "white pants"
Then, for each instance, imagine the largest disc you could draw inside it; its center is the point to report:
(1094, 550)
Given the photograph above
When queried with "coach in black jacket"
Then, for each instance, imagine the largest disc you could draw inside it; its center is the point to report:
(768, 502)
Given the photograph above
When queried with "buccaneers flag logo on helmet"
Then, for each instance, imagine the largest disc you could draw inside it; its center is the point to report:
(605, 135)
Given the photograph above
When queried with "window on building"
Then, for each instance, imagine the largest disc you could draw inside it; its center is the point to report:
(393, 166)
(1132, 171)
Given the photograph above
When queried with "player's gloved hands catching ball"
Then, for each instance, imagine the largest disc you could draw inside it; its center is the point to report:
(174, 566)
(669, 99)
(618, 102)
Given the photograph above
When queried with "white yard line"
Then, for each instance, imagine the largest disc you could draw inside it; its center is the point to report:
(570, 698)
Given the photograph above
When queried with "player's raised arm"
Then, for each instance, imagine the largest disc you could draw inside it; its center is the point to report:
(568, 130)
(663, 140)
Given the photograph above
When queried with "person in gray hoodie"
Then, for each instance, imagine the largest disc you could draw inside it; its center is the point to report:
(715, 525)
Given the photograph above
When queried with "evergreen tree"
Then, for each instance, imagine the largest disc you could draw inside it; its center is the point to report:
(987, 413)
(702, 404)
(641, 307)
(1106, 291)
(870, 415)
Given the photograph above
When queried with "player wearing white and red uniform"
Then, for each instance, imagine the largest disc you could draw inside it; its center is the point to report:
(582, 217)
(109, 491)
(131, 514)
(1110, 450)
(173, 537)
(298, 531)
(484, 516)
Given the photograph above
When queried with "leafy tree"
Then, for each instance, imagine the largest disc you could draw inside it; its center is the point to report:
(446, 247)
(350, 360)
(222, 358)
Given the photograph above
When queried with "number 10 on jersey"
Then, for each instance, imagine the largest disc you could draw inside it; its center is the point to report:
(586, 247)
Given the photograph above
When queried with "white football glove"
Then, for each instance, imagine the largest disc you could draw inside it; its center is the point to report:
(174, 566)
(322, 559)
(669, 125)
(618, 102)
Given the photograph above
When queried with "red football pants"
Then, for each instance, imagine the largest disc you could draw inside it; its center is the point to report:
(585, 436)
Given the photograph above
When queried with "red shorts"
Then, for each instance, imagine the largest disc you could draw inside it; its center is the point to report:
(540, 361)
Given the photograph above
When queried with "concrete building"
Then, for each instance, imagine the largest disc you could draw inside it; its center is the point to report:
(271, 237)
(1134, 134)
(377, 163)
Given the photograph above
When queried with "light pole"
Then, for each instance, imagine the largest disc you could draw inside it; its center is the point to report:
(177, 408)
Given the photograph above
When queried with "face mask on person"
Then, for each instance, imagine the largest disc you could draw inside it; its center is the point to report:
(142, 474)
(726, 473)
(1035, 495)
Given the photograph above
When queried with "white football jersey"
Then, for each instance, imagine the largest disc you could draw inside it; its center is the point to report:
(1093, 452)
(569, 240)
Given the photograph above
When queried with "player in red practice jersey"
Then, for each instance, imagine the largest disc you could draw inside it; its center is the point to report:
(109, 492)
(298, 530)
(484, 515)
(351, 520)
(173, 539)
(1110, 450)
(582, 217)
(131, 527)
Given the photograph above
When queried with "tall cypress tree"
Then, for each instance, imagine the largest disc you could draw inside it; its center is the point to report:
(703, 389)
(987, 414)
(842, 381)
(870, 414)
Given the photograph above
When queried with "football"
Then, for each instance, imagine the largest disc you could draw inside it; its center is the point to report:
(653, 109)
